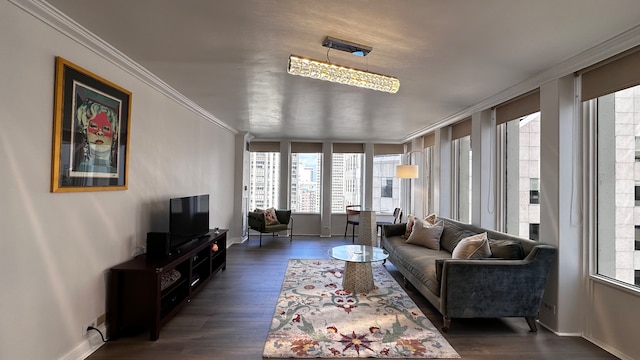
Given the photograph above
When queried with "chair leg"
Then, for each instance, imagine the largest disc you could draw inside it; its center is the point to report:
(345, 229)
(353, 234)
(260, 239)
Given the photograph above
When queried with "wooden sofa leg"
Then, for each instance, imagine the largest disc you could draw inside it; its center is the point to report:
(260, 239)
(446, 323)
(531, 321)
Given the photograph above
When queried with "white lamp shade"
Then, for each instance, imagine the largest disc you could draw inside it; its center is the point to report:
(407, 171)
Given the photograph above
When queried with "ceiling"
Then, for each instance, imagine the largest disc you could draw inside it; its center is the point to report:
(230, 56)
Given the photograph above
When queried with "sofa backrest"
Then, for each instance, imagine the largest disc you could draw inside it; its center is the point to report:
(454, 231)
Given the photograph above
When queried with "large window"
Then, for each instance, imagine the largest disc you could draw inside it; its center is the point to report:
(264, 189)
(617, 116)
(520, 175)
(346, 181)
(462, 178)
(386, 187)
(306, 177)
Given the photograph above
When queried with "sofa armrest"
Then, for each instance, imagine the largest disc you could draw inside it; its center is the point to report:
(495, 288)
(389, 230)
(257, 220)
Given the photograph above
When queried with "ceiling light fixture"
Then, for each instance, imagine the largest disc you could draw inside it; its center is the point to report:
(321, 70)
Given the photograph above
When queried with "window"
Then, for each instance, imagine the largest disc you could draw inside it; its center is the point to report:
(637, 148)
(386, 187)
(519, 150)
(617, 120)
(534, 232)
(386, 190)
(306, 170)
(534, 191)
(462, 167)
(264, 188)
(346, 181)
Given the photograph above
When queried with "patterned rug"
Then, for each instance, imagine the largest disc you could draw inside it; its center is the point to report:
(316, 318)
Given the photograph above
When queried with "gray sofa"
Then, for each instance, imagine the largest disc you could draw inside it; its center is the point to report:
(510, 283)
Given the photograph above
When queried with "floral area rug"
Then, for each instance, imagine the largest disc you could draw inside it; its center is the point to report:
(316, 318)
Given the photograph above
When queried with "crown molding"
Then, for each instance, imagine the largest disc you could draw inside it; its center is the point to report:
(62, 23)
(600, 52)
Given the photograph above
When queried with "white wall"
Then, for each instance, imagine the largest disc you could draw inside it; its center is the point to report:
(57, 248)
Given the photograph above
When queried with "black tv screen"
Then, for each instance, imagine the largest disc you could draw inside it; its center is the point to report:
(189, 216)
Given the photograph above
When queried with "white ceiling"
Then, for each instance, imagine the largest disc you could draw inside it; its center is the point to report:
(230, 56)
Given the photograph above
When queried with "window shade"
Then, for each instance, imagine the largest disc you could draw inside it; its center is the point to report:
(348, 148)
(388, 149)
(516, 108)
(303, 147)
(611, 75)
(461, 129)
(429, 140)
(264, 146)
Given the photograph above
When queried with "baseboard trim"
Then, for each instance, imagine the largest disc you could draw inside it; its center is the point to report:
(88, 345)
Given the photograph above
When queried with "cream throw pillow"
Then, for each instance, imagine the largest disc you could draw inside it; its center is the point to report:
(431, 220)
(270, 217)
(425, 234)
(473, 247)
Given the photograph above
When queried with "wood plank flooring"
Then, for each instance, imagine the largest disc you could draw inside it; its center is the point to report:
(230, 318)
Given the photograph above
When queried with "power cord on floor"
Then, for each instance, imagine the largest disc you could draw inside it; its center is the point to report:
(98, 330)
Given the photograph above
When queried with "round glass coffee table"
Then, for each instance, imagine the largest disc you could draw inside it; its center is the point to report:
(358, 274)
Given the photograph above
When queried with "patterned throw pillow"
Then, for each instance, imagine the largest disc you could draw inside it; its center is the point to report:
(473, 247)
(270, 217)
(410, 220)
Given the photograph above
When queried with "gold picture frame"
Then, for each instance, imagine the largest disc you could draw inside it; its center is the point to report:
(91, 122)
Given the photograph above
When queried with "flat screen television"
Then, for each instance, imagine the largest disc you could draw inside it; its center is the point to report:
(188, 218)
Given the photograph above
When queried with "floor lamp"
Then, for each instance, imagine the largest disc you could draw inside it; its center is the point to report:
(408, 171)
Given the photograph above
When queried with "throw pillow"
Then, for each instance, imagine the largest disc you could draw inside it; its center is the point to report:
(506, 249)
(476, 246)
(410, 220)
(426, 235)
(431, 219)
(270, 217)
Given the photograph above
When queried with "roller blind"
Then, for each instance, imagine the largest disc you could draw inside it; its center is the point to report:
(388, 149)
(516, 108)
(429, 140)
(264, 146)
(348, 148)
(611, 75)
(304, 147)
(461, 129)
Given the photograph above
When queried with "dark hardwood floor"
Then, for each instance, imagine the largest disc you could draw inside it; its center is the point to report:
(230, 318)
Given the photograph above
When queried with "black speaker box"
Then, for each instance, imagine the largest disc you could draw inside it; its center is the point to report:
(158, 245)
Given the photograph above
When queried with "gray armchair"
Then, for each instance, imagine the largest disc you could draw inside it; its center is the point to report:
(258, 223)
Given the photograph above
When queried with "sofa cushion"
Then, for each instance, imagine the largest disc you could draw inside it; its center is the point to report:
(506, 249)
(420, 262)
(270, 217)
(452, 234)
(472, 247)
(425, 234)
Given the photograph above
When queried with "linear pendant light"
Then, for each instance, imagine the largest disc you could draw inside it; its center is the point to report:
(340, 74)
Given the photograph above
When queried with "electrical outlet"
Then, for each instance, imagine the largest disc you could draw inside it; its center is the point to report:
(86, 326)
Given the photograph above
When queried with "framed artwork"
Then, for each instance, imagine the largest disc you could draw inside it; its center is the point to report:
(90, 131)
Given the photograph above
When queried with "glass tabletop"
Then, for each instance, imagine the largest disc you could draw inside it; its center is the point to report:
(358, 253)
